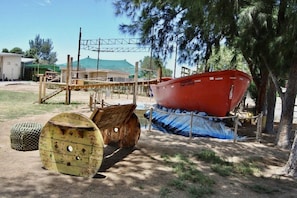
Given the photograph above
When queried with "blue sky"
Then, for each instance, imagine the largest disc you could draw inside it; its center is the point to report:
(60, 21)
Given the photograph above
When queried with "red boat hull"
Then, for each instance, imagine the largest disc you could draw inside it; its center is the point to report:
(215, 93)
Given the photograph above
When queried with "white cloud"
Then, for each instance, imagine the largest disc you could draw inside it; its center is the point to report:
(44, 2)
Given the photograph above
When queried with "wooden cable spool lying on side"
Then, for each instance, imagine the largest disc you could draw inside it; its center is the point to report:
(73, 144)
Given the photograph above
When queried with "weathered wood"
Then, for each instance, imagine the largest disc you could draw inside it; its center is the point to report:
(71, 143)
(125, 135)
(135, 84)
(66, 124)
(118, 124)
(68, 74)
(112, 116)
(44, 98)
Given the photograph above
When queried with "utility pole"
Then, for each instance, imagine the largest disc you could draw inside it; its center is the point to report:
(78, 54)
(98, 58)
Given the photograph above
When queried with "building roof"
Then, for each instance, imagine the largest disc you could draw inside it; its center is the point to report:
(115, 65)
(27, 60)
(44, 67)
(10, 54)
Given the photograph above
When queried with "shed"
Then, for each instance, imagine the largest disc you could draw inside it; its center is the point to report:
(32, 71)
(10, 66)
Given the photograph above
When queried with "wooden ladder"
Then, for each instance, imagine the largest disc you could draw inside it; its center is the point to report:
(52, 94)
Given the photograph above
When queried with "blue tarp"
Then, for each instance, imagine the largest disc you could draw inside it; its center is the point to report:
(179, 122)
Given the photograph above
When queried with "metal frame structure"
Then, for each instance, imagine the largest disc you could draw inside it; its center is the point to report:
(115, 45)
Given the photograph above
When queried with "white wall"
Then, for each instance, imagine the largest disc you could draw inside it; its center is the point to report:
(1, 67)
(11, 67)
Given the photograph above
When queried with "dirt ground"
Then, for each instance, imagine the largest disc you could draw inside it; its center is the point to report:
(141, 171)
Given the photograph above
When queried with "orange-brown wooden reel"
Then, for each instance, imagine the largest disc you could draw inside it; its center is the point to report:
(125, 135)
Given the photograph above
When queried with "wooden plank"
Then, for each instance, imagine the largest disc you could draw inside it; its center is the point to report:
(63, 124)
(112, 116)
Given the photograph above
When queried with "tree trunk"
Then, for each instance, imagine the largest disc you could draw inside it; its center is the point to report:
(262, 91)
(271, 101)
(291, 166)
(288, 103)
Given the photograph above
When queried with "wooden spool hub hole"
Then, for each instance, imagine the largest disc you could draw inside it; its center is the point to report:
(70, 149)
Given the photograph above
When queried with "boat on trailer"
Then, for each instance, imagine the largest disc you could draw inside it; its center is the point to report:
(215, 93)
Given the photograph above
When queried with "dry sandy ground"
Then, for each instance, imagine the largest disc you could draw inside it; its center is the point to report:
(138, 172)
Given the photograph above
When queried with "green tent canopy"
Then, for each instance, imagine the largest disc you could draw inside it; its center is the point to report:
(115, 65)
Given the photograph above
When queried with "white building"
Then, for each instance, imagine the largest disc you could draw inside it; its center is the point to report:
(10, 66)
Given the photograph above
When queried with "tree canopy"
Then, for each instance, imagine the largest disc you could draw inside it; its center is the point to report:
(263, 31)
(16, 50)
(149, 68)
(5, 50)
(41, 50)
(193, 27)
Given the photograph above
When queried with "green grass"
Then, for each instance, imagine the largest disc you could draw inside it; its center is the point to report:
(223, 167)
(261, 189)
(165, 192)
(209, 156)
(196, 184)
(222, 170)
(189, 179)
(15, 105)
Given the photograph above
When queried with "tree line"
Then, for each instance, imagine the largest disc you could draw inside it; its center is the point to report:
(41, 50)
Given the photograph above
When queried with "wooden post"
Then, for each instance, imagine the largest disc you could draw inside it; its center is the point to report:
(40, 90)
(259, 127)
(135, 83)
(102, 103)
(235, 129)
(68, 92)
(150, 120)
(91, 102)
(43, 85)
(70, 73)
(191, 125)
(159, 74)
(101, 92)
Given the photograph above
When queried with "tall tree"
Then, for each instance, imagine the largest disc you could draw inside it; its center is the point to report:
(197, 28)
(265, 31)
(150, 65)
(227, 58)
(41, 50)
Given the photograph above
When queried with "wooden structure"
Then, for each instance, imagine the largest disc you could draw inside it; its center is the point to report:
(43, 96)
(73, 144)
(85, 85)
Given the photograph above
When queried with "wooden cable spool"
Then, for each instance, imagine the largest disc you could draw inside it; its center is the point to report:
(118, 125)
(125, 135)
(73, 144)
